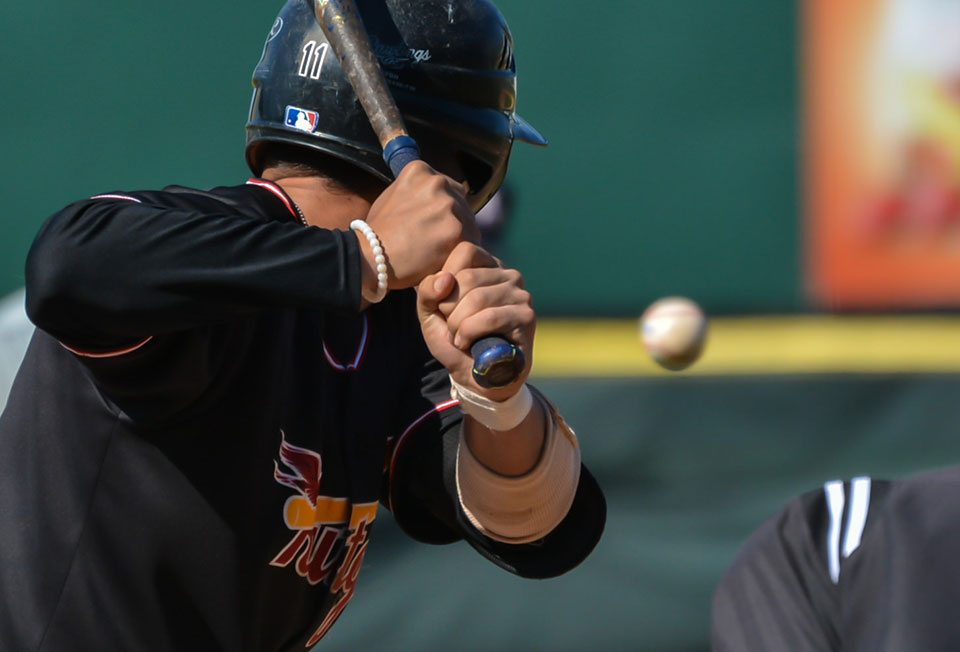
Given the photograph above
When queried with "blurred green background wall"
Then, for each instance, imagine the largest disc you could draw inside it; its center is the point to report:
(673, 127)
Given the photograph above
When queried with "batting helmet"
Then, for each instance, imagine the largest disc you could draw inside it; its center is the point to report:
(449, 64)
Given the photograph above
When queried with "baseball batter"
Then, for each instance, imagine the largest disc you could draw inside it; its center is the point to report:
(225, 385)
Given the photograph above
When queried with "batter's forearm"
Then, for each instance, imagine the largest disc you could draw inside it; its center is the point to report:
(506, 496)
(508, 453)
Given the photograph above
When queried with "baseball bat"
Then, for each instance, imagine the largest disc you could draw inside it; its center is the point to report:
(496, 361)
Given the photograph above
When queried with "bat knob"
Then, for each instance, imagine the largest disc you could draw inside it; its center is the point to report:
(496, 362)
(399, 152)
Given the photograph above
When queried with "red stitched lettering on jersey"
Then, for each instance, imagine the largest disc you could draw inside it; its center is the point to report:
(317, 551)
(326, 529)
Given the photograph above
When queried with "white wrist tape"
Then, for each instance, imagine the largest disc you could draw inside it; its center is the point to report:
(524, 508)
(496, 415)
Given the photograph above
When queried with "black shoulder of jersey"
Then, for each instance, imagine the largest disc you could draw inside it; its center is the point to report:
(256, 198)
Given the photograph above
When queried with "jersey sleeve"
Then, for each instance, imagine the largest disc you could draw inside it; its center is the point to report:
(105, 275)
(420, 490)
(781, 592)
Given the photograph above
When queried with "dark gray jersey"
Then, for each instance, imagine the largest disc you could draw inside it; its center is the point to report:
(863, 565)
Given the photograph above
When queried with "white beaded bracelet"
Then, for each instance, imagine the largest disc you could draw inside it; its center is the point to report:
(381, 260)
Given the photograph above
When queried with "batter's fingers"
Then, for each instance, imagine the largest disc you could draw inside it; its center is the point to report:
(433, 289)
(516, 322)
(482, 298)
(457, 187)
(459, 207)
(467, 255)
(473, 278)
(416, 172)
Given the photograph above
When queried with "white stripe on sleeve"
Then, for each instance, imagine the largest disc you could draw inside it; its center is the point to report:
(859, 505)
(834, 493)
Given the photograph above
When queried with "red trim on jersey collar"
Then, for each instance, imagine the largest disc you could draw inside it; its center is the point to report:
(354, 364)
(106, 354)
(276, 190)
(402, 439)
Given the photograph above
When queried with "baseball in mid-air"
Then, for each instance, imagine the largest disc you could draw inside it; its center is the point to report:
(674, 330)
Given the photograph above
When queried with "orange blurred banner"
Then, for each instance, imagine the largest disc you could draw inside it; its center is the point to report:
(882, 109)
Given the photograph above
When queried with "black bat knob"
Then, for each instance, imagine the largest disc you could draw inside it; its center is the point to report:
(496, 362)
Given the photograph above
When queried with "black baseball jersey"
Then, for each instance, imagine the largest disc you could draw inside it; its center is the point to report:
(195, 447)
(857, 566)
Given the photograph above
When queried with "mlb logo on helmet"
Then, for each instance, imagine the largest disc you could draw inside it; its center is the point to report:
(301, 119)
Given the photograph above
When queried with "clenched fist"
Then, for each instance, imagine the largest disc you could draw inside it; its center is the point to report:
(419, 219)
(473, 296)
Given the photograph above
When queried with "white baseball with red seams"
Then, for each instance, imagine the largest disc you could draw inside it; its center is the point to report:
(674, 330)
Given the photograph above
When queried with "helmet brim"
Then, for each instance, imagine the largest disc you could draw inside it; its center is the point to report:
(526, 133)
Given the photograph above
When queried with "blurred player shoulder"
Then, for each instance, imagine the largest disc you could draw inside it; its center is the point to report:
(15, 333)
(858, 565)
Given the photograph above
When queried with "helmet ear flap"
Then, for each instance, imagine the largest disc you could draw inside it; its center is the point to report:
(477, 174)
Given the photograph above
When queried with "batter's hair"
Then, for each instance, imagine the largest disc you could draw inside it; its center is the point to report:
(342, 176)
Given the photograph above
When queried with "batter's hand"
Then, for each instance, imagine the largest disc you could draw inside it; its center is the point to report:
(419, 219)
(471, 297)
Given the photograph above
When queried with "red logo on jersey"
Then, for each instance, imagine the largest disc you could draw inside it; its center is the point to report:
(324, 528)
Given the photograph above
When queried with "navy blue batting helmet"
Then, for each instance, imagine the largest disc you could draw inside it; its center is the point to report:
(449, 65)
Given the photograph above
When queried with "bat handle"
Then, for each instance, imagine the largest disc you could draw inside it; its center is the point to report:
(496, 361)
(399, 152)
